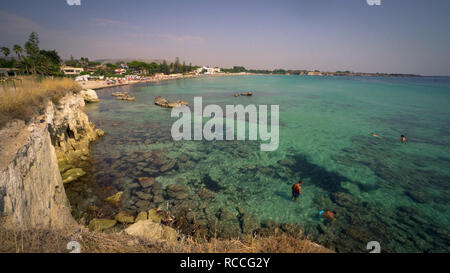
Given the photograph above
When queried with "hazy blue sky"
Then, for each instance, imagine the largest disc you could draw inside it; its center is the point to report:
(405, 36)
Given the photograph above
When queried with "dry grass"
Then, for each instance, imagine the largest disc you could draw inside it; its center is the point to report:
(25, 97)
(44, 241)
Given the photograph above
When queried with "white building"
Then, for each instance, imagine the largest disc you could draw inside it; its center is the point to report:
(68, 70)
(207, 70)
(82, 78)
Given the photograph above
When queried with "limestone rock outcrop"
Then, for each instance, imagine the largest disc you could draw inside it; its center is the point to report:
(151, 230)
(89, 95)
(32, 155)
(123, 96)
(160, 101)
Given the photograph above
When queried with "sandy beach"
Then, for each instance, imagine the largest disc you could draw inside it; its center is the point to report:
(99, 84)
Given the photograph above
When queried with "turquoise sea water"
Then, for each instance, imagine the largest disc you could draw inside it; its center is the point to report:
(381, 189)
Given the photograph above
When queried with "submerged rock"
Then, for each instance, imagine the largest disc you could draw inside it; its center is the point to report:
(157, 199)
(286, 162)
(168, 166)
(157, 188)
(419, 197)
(101, 224)
(249, 223)
(344, 199)
(291, 229)
(241, 210)
(205, 194)
(225, 215)
(228, 229)
(124, 218)
(247, 93)
(141, 216)
(270, 224)
(146, 182)
(143, 195)
(115, 199)
(72, 174)
(177, 191)
(211, 184)
(142, 204)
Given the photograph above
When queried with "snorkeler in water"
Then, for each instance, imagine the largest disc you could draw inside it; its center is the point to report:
(402, 139)
(375, 135)
(327, 214)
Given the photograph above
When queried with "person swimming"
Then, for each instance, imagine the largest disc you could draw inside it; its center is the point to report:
(327, 214)
(402, 139)
(375, 135)
(296, 190)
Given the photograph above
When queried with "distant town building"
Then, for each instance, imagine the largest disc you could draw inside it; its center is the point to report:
(120, 71)
(82, 78)
(207, 70)
(68, 70)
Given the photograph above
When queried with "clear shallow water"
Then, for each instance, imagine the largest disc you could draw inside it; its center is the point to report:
(382, 190)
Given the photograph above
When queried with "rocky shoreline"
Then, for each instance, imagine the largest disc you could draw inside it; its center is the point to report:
(43, 156)
(45, 159)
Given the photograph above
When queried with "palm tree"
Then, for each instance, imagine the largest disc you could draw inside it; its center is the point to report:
(5, 51)
(18, 50)
(25, 63)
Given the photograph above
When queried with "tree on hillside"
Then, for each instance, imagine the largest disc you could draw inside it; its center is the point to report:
(153, 68)
(138, 66)
(177, 66)
(32, 49)
(52, 55)
(92, 63)
(84, 61)
(49, 62)
(18, 50)
(25, 64)
(164, 68)
(22, 62)
(238, 69)
(5, 51)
